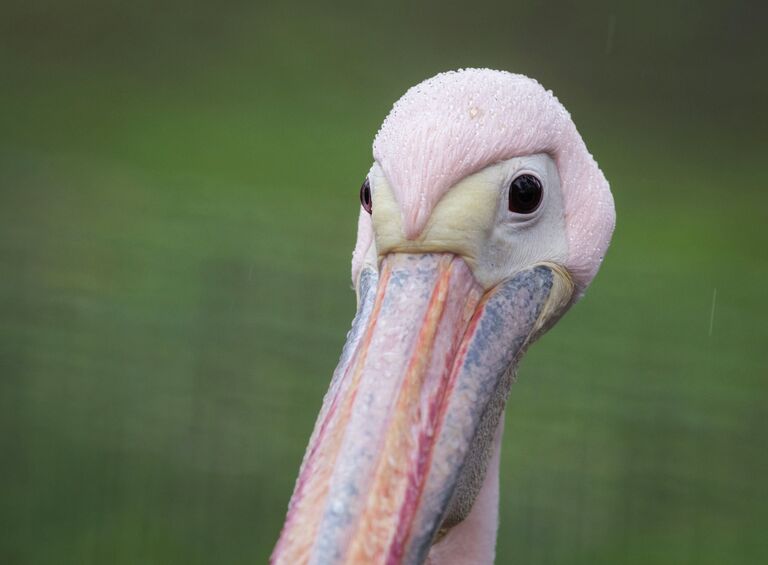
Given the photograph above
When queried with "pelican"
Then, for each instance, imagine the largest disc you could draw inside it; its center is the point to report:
(483, 219)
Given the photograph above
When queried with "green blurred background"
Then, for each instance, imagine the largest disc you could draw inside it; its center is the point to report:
(178, 200)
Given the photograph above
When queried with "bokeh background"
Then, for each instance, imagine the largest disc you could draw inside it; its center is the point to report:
(178, 199)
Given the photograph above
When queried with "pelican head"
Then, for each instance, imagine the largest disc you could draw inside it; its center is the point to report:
(483, 219)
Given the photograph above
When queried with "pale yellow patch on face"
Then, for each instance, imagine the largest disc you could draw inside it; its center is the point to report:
(460, 222)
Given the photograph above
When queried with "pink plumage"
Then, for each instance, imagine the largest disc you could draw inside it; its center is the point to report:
(457, 123)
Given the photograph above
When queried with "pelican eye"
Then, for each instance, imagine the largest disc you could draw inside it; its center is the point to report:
(525, 194)
(365, 196)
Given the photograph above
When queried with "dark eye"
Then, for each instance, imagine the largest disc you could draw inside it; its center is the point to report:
(365, 196)
(525, 193)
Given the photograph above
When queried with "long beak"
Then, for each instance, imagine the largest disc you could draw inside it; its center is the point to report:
(429, 353)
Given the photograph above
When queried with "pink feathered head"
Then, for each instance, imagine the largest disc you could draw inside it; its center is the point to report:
(457, 123)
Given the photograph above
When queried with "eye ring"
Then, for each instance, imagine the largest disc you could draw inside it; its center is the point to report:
(525, 194)
(365, 196)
